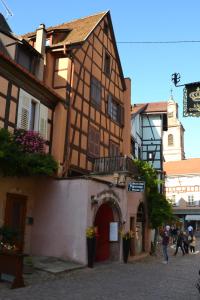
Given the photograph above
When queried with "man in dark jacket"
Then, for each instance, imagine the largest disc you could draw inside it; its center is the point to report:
(165, 243)
(179, 243)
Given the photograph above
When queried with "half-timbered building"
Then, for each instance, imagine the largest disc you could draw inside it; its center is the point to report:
(79, 61)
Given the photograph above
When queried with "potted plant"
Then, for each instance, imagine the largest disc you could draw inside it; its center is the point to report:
(126, 243)
(91, 233)
(11, 259)
(8, 238)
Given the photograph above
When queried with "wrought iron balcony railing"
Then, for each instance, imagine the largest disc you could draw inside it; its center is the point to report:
(110, 165)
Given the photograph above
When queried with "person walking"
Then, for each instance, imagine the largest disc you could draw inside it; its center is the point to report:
(192, 244)
(179, 243)
(185, 242)
(190, 229)
(165, 243)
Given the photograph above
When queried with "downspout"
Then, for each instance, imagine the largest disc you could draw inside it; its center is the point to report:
(67, 134)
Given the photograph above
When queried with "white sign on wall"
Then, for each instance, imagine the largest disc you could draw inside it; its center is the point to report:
(113, 236)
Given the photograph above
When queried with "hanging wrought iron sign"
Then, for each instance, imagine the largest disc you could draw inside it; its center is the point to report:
(191, 100)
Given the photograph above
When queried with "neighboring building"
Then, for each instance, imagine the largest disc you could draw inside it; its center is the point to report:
(148, 124)
(173, 138)
(182, 188)
(86, 132)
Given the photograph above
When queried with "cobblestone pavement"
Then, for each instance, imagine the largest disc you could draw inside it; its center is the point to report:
(145, 279)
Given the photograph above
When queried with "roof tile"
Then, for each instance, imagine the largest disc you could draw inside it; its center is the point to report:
(186, 166)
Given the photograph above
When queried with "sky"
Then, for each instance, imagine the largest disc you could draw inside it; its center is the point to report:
(149, 66)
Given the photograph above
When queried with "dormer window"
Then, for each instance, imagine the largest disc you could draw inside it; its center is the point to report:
(107, 62)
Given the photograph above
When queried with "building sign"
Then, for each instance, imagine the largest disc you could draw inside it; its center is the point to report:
(113, 236)
(136, 186)
(191, 100)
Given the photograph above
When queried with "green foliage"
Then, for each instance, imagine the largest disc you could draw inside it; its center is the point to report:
(15, 162)
(159, 209)
(8, 234)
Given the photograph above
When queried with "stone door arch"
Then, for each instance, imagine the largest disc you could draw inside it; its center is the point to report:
(107, 211)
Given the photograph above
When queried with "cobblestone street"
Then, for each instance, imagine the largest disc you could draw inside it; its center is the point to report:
(145, 279)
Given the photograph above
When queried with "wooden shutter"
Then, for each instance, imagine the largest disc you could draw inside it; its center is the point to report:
(122, 115)
(110, 105)
(24, 107)
(43, 121)
(94, 142)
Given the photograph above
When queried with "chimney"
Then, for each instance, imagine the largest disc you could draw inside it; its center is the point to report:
(40, 45)
(41, 39)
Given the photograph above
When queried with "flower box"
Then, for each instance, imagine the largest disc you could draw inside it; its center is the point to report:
(11, 263)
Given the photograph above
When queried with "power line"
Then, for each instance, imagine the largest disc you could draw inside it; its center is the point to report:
(157, 42)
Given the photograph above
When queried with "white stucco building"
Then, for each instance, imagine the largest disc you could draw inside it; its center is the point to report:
(182, 188)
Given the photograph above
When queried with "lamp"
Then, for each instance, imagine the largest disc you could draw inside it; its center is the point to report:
(94, 200)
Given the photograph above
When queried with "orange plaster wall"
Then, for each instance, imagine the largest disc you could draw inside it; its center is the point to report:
(12, 112)
(127, 118)
(59, 129)
(3, 85)
(2, 106)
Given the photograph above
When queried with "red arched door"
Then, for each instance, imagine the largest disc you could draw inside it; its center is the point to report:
(103, 218)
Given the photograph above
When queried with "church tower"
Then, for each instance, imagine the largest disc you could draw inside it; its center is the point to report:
(173, 138)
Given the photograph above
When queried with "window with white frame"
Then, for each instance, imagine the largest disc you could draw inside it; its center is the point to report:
(191, 200)
(170, 140)
(32, 115)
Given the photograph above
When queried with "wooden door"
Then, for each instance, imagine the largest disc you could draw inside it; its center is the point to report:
(103, 218)
(132, 228)
(15, 216)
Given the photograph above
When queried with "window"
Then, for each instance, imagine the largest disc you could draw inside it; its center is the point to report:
(115, 111)
(191, 200)
(170, 140)
(60, 72)
(26, 59)
(114, 149)
(107, 61)
(150, 155)
(93, 142)
(105, 28)
(95, 92)
(32, 115)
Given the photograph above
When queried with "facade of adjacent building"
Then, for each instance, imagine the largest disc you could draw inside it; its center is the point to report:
(182, 188)
(148, 124)
(75, 94)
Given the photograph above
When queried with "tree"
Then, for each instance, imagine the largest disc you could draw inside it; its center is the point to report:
(159, 209)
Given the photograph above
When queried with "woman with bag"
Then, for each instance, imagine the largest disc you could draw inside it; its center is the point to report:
(192, 244)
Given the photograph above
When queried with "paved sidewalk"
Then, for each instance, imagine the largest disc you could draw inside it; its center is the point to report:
(139, 280)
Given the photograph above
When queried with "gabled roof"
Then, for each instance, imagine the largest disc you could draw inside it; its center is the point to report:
(79, 29)
(182, 167)
(4, 25)
(149, 108)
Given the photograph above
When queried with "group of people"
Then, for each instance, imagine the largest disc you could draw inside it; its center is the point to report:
(185, 240)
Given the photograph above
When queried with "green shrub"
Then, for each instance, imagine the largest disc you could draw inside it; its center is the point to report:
(15, 161)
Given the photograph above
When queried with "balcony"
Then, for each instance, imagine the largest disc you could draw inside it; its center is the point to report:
(118, 164)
